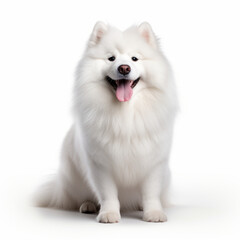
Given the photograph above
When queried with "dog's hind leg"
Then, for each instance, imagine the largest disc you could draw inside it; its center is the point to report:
(68, 189)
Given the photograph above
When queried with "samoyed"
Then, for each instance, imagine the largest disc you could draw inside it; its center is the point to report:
(115, 156)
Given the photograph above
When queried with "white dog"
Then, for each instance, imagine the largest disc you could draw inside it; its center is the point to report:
(115, 156)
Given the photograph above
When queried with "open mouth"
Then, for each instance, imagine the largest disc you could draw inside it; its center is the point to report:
(123, 88)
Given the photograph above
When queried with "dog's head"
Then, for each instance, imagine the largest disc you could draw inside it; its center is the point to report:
(124, 63)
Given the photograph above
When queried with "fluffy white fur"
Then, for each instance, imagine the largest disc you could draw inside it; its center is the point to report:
(115, 156)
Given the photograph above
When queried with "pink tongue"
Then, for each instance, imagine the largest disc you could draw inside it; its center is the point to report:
(124, 91)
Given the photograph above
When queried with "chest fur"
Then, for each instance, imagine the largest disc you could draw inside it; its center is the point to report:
(128, 140)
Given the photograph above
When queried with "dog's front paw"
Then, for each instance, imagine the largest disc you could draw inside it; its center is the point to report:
(154, 216)
(108, 217)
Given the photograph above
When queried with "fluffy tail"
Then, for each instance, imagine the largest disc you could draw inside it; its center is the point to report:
(45, 194)
(54, 194)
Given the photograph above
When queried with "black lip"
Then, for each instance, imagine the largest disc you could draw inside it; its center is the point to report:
(114, 85)
(112, 82)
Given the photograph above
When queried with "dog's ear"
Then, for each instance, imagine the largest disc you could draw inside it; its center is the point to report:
(147, 33)
(99, 30)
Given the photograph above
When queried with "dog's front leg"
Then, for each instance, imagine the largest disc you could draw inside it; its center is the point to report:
(108, 198)
(151, 191)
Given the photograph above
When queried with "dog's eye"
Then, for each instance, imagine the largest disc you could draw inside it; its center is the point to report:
(111, 59)
(134, 59)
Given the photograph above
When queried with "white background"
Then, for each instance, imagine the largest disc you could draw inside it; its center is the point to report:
(40, 44)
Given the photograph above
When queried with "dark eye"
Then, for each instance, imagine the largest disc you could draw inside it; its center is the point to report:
(134, 59)
(111, 59)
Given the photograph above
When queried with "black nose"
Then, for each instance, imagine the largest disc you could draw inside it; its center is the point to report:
(124, 69)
